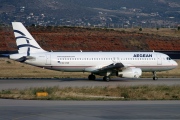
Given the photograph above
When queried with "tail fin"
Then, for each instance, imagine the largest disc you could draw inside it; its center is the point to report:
(25, 42)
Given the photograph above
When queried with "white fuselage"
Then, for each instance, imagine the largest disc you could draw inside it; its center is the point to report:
(92, 61)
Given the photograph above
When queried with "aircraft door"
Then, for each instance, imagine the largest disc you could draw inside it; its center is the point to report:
(48, 59)
(159, 60)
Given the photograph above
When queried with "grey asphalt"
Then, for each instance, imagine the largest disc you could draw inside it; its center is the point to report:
(27, 83)
(88, 110)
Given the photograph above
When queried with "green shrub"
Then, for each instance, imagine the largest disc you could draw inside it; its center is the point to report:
(140, 29)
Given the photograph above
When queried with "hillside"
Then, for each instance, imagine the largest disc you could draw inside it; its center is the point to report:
(106, 13)
(94, 39)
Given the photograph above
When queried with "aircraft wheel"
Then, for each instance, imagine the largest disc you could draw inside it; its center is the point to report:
(154, 75)
(155, 78)
(91, 77)
(106, 78)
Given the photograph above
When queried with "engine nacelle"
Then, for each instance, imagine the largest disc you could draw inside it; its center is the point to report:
(130, 73)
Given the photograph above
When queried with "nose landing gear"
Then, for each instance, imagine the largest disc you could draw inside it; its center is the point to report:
(154, 75)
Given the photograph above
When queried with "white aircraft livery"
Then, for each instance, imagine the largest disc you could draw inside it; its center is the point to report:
(121, 64)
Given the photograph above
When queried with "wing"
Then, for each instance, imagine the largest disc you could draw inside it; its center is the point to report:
(104, 68)
(119, 69)
(111, 67)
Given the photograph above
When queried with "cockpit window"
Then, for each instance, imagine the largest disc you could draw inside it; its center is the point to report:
(168, 58)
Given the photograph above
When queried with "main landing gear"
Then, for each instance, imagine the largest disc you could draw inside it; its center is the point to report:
(91, 77)
(106, 78)
(154, 75)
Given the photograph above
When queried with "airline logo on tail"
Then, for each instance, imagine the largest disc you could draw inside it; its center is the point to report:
(27, 40)
(24, 40)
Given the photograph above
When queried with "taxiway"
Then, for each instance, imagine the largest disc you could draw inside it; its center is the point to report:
(88, 110)
(80, 82)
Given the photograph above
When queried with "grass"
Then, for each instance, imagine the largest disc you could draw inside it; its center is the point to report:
(144, 92)
(162, 31)
(13, 69)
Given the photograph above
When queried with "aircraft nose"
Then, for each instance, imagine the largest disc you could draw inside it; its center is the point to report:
(175, 63)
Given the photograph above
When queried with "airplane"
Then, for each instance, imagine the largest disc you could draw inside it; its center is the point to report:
(107, 64)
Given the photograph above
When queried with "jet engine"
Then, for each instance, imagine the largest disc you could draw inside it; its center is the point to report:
(129, 73)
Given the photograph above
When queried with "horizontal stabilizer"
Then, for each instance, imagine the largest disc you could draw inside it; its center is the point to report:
(4, 55)
(24, 58)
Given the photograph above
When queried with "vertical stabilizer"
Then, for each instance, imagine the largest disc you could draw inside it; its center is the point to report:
(25, 42)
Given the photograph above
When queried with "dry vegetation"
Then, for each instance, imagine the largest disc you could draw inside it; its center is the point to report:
(13, 69)
(145, 92)
(161, 31)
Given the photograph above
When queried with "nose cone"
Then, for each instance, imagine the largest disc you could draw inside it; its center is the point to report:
(175, 63)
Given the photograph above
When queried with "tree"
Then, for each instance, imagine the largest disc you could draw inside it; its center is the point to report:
(178, 28)
(33, 25)
(140, 29)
